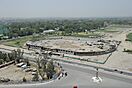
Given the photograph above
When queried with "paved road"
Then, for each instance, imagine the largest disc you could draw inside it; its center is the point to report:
(80, 76)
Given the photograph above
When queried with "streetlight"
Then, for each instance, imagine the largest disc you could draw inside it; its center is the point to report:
(97, 79)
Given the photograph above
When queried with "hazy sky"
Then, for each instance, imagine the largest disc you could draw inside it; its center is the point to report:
(65, 8)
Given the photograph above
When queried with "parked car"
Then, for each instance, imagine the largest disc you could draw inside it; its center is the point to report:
(20, 64)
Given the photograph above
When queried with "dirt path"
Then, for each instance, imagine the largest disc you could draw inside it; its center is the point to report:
(119, 59)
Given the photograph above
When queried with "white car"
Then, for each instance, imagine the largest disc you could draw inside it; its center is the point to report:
(24, 66)
(20, 64)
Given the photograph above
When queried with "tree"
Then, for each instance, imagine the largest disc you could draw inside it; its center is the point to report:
(24, 79)
(43, 64)
(43, 69)
(7, 58)
(17, 55)
(38, 62)
(26, 60)
(10, 56)
(50, 69)
(45, 56)
(13, 55)
(35, 77)
(1, 61)
(4, 56)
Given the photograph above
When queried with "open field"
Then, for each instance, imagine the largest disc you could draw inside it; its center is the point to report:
(18, 42)
(21, 41)
(109, 29)
(14, 73)
(73, 45)
(87, 35)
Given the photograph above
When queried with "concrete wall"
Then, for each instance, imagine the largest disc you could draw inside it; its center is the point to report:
(92, 53)
(9, 63)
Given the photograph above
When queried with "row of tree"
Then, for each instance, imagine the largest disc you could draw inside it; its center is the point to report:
(28, 28)
(44, 68)
(16, 55)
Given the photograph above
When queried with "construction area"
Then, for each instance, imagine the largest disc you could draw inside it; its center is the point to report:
(73, 47)
(96, 50)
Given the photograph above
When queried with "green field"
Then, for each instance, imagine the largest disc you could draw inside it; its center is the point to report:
(129, 37)
(109, 30)
(18, 42)
(83, 34)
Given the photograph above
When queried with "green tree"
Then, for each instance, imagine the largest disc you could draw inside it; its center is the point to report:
(7, 58)
(24, 79)
(10, 56)
(13, 55)
(26, 60)
(43, 68)
(35, 77)
(38, 62)
(50, 69)
(1, 61)
(19, 53)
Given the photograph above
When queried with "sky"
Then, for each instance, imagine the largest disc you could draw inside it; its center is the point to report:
(65, 8)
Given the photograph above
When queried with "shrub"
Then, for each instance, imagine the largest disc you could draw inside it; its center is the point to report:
(1, 61)
(36, 77)
(24, 79)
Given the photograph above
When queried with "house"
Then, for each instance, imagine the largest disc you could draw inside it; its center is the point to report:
(48, 31)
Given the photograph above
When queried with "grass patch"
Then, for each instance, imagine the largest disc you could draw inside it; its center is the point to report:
(109, 30)
(121, 26)
(83, 34)
(128, 51)
(129, 37)
(79, 34)
(19, 42)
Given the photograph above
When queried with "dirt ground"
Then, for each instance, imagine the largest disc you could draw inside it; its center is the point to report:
(120, 59)
(14, 73)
